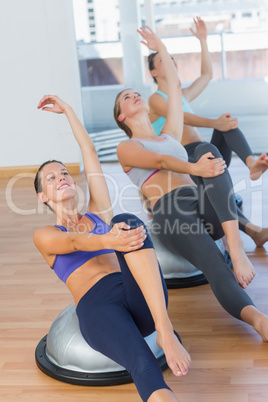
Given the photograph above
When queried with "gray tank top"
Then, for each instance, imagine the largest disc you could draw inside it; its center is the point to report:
(168, 146)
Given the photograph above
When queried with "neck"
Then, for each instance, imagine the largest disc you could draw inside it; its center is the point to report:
(141, 127)
(67, 214)
(162, 85)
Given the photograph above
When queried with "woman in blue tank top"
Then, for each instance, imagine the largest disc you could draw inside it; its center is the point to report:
(187, 216)
(110, 266)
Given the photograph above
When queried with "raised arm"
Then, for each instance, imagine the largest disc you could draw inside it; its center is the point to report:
(174, 115)
(99, 196)
(201, 82)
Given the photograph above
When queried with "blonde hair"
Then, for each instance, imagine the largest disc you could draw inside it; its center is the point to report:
(117, 112)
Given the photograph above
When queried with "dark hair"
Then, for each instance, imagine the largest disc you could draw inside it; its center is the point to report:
(37, 180)
(117, 111)
(151, 63)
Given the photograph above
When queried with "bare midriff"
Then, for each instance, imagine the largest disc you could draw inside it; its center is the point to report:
(162, 183)
(190, 135)
(86, 276)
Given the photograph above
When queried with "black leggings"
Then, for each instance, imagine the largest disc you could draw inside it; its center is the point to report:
(188, 220)
(226, 142)
(114, 319)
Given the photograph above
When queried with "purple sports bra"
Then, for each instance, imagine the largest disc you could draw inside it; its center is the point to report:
(65, 264)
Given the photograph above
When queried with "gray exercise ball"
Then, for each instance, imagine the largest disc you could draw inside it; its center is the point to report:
(64, 355)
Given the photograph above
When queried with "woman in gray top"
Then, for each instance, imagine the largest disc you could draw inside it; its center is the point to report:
(187, 216)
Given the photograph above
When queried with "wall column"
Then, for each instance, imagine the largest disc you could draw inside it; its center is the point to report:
(133, 63)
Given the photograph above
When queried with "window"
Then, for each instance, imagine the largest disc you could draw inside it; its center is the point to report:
(246, 15)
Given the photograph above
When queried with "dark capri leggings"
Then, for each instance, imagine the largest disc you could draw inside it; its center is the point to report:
(188, 220)
(226, 142)
(114, 319)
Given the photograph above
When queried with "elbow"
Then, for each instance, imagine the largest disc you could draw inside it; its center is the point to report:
(206, 77)
(73, 243)
(209, 76)
(162, 162)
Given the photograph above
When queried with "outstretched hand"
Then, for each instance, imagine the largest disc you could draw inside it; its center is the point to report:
(151, 40)
(201, 29)
(58, 105)
(209, 166)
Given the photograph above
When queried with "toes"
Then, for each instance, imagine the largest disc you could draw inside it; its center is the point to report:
(178, 373)
(179, 369)
(242, 282)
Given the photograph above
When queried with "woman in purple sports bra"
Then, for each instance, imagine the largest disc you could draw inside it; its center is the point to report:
(187, 216)
(110, 267)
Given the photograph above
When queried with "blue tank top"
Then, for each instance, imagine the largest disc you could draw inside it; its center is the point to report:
(169, 146)
(65, 264)
(159, 123)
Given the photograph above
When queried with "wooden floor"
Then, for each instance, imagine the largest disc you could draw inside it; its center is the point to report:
(229, 361)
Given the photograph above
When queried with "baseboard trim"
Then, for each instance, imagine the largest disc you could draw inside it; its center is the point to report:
(10, 171)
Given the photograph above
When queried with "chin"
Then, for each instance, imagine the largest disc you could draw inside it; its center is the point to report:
(67, 194)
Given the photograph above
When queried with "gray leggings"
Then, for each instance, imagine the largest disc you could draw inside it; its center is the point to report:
(188, 220)
(226, 142)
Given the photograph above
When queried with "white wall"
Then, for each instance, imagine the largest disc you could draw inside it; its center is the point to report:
(245, 99)
(38, 57)
(238, 97)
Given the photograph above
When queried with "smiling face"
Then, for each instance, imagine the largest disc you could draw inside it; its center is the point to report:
(56, 184)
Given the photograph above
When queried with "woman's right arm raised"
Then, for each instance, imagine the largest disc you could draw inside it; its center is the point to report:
(174, 115)
(100, 202)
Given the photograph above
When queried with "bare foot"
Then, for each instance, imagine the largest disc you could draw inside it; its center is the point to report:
(260, 237)
(243, 269)
(261, 326)
(258, 320)
(178, 359)
(258, 167)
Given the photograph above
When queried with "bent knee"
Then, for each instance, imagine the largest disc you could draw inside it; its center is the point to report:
(205, 147)
(132, 220)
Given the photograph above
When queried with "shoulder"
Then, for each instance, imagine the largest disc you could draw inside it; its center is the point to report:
(41, 235)
(125, 146)
(169, 136)
(128, 152)
(156, 98)
(155, 95)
